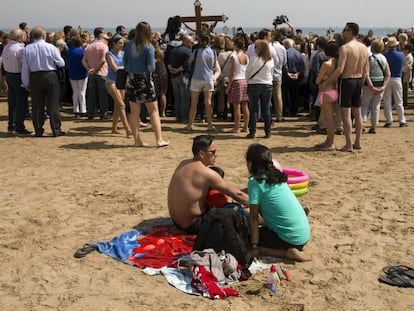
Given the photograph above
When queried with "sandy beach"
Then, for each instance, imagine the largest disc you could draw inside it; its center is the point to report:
(361, 215)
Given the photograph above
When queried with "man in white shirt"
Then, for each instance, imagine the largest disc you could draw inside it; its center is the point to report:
(17, 95)
(277, 75)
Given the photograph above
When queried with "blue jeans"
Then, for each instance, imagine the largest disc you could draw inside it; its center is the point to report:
(181, 97)
(260, 94)
(17, 100)
(96, 96)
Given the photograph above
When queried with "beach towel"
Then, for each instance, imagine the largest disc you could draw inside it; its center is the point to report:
(154, 247)
(157, 248)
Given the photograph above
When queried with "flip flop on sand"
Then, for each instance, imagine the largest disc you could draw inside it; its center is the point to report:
(399, 269)
(85, 250)
(397, 279)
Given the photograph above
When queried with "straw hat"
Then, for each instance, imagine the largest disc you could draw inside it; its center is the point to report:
(392, 42)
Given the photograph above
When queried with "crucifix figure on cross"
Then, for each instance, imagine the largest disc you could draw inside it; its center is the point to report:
(199, 20)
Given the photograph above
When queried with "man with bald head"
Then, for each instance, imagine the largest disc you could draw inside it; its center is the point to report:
(180, 72)
(39, 75)
(17, 95)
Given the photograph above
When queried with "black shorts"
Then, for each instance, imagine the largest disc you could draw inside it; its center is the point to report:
(193, 229)
(350, 91)
(270, 239)
(121, 78)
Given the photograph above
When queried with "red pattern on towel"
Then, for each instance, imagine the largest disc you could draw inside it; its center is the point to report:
(162, 246)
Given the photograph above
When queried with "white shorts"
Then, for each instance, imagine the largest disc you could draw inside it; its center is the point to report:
(201, 86)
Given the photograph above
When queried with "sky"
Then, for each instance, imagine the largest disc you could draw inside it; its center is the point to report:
(250, 13)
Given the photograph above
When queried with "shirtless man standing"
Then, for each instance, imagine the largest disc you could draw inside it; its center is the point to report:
(190, 183)
(352, 68)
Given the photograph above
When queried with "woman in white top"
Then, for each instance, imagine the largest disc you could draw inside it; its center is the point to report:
(237, 87)
(259, 76)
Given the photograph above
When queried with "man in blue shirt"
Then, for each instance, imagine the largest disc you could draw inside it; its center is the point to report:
(394, 88)
(39, 76)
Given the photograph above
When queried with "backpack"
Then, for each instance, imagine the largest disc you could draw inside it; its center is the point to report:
(225, 229)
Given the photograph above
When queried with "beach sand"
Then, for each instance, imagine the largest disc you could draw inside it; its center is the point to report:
(361, 215)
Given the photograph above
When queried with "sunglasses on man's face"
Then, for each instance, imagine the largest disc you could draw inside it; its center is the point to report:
(213, 152)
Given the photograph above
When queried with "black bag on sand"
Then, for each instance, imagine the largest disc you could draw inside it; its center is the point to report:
(225, 229)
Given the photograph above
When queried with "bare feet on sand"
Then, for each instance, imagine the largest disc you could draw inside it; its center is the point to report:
(345, 149)
(356, 147)
(163, 143)
(115, 132)
(323, 147)
(297, 255)
(141, 144)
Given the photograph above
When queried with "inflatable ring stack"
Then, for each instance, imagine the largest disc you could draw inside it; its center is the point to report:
(298, 181)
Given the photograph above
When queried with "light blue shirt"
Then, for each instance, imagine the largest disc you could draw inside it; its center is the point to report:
(204, 64)
(40, 56)
(281, 210)
(282, 56)
(139, 61)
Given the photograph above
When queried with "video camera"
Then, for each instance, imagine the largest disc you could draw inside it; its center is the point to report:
(280, 20)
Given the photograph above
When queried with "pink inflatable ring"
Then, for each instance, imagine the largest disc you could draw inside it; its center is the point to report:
(295, 176)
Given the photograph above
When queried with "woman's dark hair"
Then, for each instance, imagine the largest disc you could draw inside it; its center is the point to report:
(239, 42)
(201, 142)
(203, 40)
(261, 165)
(332, 50)
(173, 27)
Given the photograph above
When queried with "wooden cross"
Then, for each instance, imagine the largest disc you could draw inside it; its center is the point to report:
(198, 19)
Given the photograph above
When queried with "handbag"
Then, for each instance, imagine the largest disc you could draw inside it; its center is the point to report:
(378, 83)
(253, 75)
(222, 82)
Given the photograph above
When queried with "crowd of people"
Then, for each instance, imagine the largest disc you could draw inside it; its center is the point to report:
(341, 78)
(262, 77)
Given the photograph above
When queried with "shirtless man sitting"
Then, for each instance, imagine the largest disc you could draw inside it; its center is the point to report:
(190, 183)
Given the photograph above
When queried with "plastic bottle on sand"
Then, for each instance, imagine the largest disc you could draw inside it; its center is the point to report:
(271, 282)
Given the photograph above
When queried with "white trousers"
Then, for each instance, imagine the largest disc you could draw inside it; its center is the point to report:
(79, 95)
(393, 93)
(370, 104)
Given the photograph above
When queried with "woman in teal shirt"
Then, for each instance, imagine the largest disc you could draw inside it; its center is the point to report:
(286, 229)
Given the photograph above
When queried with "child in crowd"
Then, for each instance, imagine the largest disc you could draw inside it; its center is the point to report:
(286, 229)
(215, 198)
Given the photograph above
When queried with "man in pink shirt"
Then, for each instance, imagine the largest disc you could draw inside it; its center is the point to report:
(94, 61)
